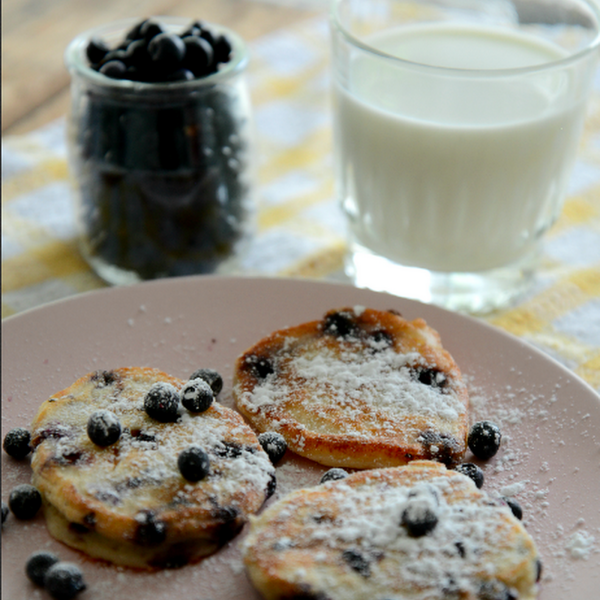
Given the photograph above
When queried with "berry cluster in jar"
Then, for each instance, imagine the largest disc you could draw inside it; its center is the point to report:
(151, 53)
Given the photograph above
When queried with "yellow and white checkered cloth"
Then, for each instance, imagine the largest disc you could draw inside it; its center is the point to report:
(300, 228)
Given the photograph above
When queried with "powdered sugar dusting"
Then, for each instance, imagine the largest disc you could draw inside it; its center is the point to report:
(345, 379)
(529, 420)
(581, 544)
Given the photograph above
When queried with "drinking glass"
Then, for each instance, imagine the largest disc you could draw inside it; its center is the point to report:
(456, 127)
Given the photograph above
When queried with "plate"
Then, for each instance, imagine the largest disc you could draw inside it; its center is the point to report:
(549, 459)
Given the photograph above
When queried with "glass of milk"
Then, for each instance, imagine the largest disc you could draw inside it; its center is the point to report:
(456, 124)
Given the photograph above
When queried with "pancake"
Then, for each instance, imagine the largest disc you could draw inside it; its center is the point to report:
(413, 532)
(359, 388)
(128, 502)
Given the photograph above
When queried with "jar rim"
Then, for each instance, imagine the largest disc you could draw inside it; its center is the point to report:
(76, 60)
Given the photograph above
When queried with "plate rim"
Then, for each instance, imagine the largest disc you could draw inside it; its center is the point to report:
(212, 279)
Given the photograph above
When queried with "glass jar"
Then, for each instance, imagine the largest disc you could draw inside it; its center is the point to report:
(162, 171)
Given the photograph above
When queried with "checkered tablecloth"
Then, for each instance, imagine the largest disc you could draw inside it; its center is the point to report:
(300, 231)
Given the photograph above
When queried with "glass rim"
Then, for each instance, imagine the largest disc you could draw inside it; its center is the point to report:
(76, 61)
(590, 48)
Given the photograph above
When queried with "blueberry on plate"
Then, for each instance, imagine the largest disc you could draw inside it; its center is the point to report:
(64, 580)
(472, 471)
(419, 518)
(211, 377)
(273, 444)
(103, 428)
(333, 475)
(197, 395)
(16, 443)
(37, 565)
(484, 439)
(193, 463)
(162, 402)
(24, 501)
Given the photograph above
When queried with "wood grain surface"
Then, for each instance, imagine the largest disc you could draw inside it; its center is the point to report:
(35, 33)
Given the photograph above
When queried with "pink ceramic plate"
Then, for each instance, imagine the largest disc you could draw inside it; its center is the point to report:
(550, 458)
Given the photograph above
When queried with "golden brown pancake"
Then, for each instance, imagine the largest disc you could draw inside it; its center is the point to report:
(359, 388)
(351, 539)
(128, 503)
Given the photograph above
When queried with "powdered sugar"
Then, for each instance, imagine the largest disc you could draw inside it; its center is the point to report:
(581, 544)
(351, 380)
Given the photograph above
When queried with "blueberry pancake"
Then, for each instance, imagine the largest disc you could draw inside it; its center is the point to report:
(418, 531)
(149, 491)
(360, 388)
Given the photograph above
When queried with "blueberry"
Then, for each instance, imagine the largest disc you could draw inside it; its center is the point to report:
(162, 402)
(135, 32)
(137, 56)
(149, 29)
(193, 463)
(38, 564)
(514, 506)
(211, 377)
(16, 443)
(103, 428)
(115, 69)
(538, 570)
(431, 377)
(24, 501)
(472, 471)
(333, 475)
(194, 29)
(167, 49)
(484, 439)
(96, 50)
(119, 54)
(357, 562)
(196, 395)
(261, 368)
(150, 530)
(340, 324)
(4, 511)
(207, 34)
(180, 75)
(198, 55)
(496, 590)
(380, 340)
(273, 444)
(222, 49)
(64, 580)
(419, 518)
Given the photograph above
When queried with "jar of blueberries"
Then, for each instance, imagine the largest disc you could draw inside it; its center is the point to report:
(160, 147)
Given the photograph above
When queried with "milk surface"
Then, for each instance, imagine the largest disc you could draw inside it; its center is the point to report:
(454, 171)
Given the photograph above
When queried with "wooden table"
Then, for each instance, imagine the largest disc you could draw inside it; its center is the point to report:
(35, 83)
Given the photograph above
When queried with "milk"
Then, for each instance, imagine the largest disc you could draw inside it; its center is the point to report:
(456, 170)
